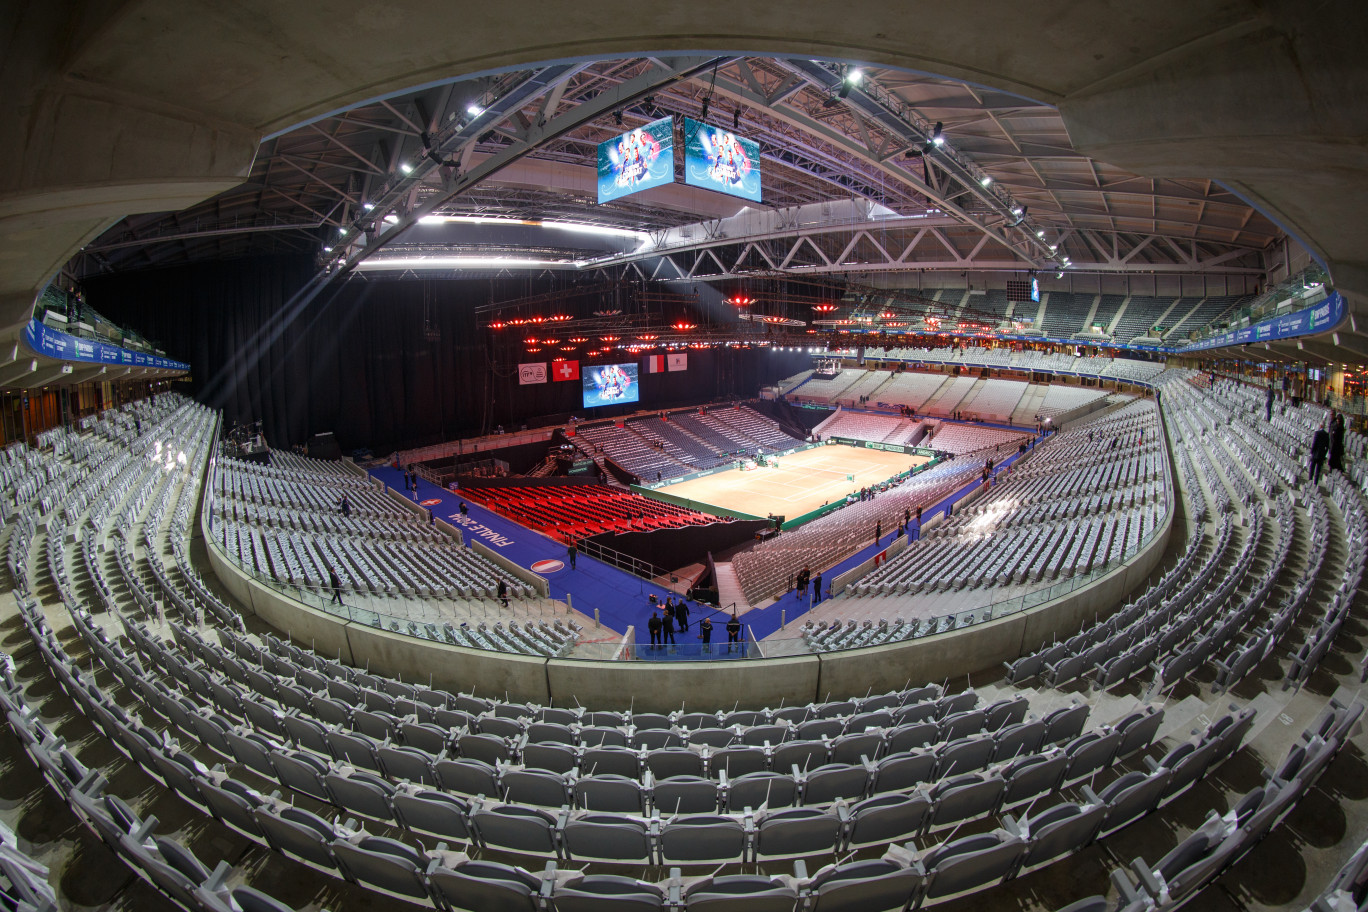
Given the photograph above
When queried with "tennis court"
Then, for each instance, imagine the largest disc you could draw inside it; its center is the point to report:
(802, 482)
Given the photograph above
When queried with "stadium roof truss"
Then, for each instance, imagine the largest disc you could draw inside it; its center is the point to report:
(853, 180)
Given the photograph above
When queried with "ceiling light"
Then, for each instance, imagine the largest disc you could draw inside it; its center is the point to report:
(854, 76)
(474, 110)
(379, 264)
(985, 180)
(1040, 234)
(327, 250)
(368, 206)
(342, 230)
(936, 138)
(1059, 275)
(406, 168)
(617, 117)
(1017, 211)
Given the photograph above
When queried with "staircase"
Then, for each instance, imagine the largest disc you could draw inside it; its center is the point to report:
(950, 399)
(729, 587)
(1029, 406)
(544, 468)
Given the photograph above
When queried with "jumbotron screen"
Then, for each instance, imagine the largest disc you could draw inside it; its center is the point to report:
(636, 160)
(610, 384)
(718, 159)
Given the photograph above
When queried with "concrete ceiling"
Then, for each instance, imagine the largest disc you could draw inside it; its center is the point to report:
(1191, 108)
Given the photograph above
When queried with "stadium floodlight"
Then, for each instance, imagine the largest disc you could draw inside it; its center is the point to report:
(1040, 233)
(985, 180)
(936, 138)
(342, 230)
(854, 76)
(368, 205)
(474, 110)
(406, 168)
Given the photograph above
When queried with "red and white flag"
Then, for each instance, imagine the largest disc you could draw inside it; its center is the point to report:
(655, 364)
(565, 370)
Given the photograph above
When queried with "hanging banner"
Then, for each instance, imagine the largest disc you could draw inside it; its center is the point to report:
(531, 373)
(678, 362)
(565, 370)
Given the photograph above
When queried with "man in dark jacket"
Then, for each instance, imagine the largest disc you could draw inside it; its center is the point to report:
(668, 631)
(502, 592)
(705, 630)
(733, 631)
(1337, 442)
(653, 625)
(682, 615)
(1320, 446)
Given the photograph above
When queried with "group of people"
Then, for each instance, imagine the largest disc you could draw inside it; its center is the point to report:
(1327, 443)
(669, 615)
(662, 625)
(805, 579)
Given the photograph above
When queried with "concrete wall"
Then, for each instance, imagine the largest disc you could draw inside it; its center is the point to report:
(665, 686)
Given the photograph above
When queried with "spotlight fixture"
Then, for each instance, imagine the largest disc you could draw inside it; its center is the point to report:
(985, 180)
(617, 117)
(936, 138)
(648, 105)
(736, 119)
(474, 110)
(406, 168)
(854, 76)
(831, 101)
(706, 102)
(368, 205)
(845, 90)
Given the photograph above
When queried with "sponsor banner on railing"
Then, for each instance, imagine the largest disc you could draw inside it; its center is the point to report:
(54, 343)
(1319, 317)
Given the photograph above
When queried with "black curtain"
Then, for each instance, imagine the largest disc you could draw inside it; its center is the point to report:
(356, 360)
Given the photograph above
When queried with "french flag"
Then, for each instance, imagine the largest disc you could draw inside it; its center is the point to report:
(655, 364)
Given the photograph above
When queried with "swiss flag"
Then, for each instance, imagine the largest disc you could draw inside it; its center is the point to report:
(564, 370)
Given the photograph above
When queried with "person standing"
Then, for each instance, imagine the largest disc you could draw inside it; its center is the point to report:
(346, 506)
(572, 552)
(465, 510)
(668, 631)
(336, 586)
(1268, 403)
(817, 590)
(705, 631)
(878, 530)
(653, 625)
(1337, 442)
(682, 615)
(1320, 445)
(733, 631)
(502, 592)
